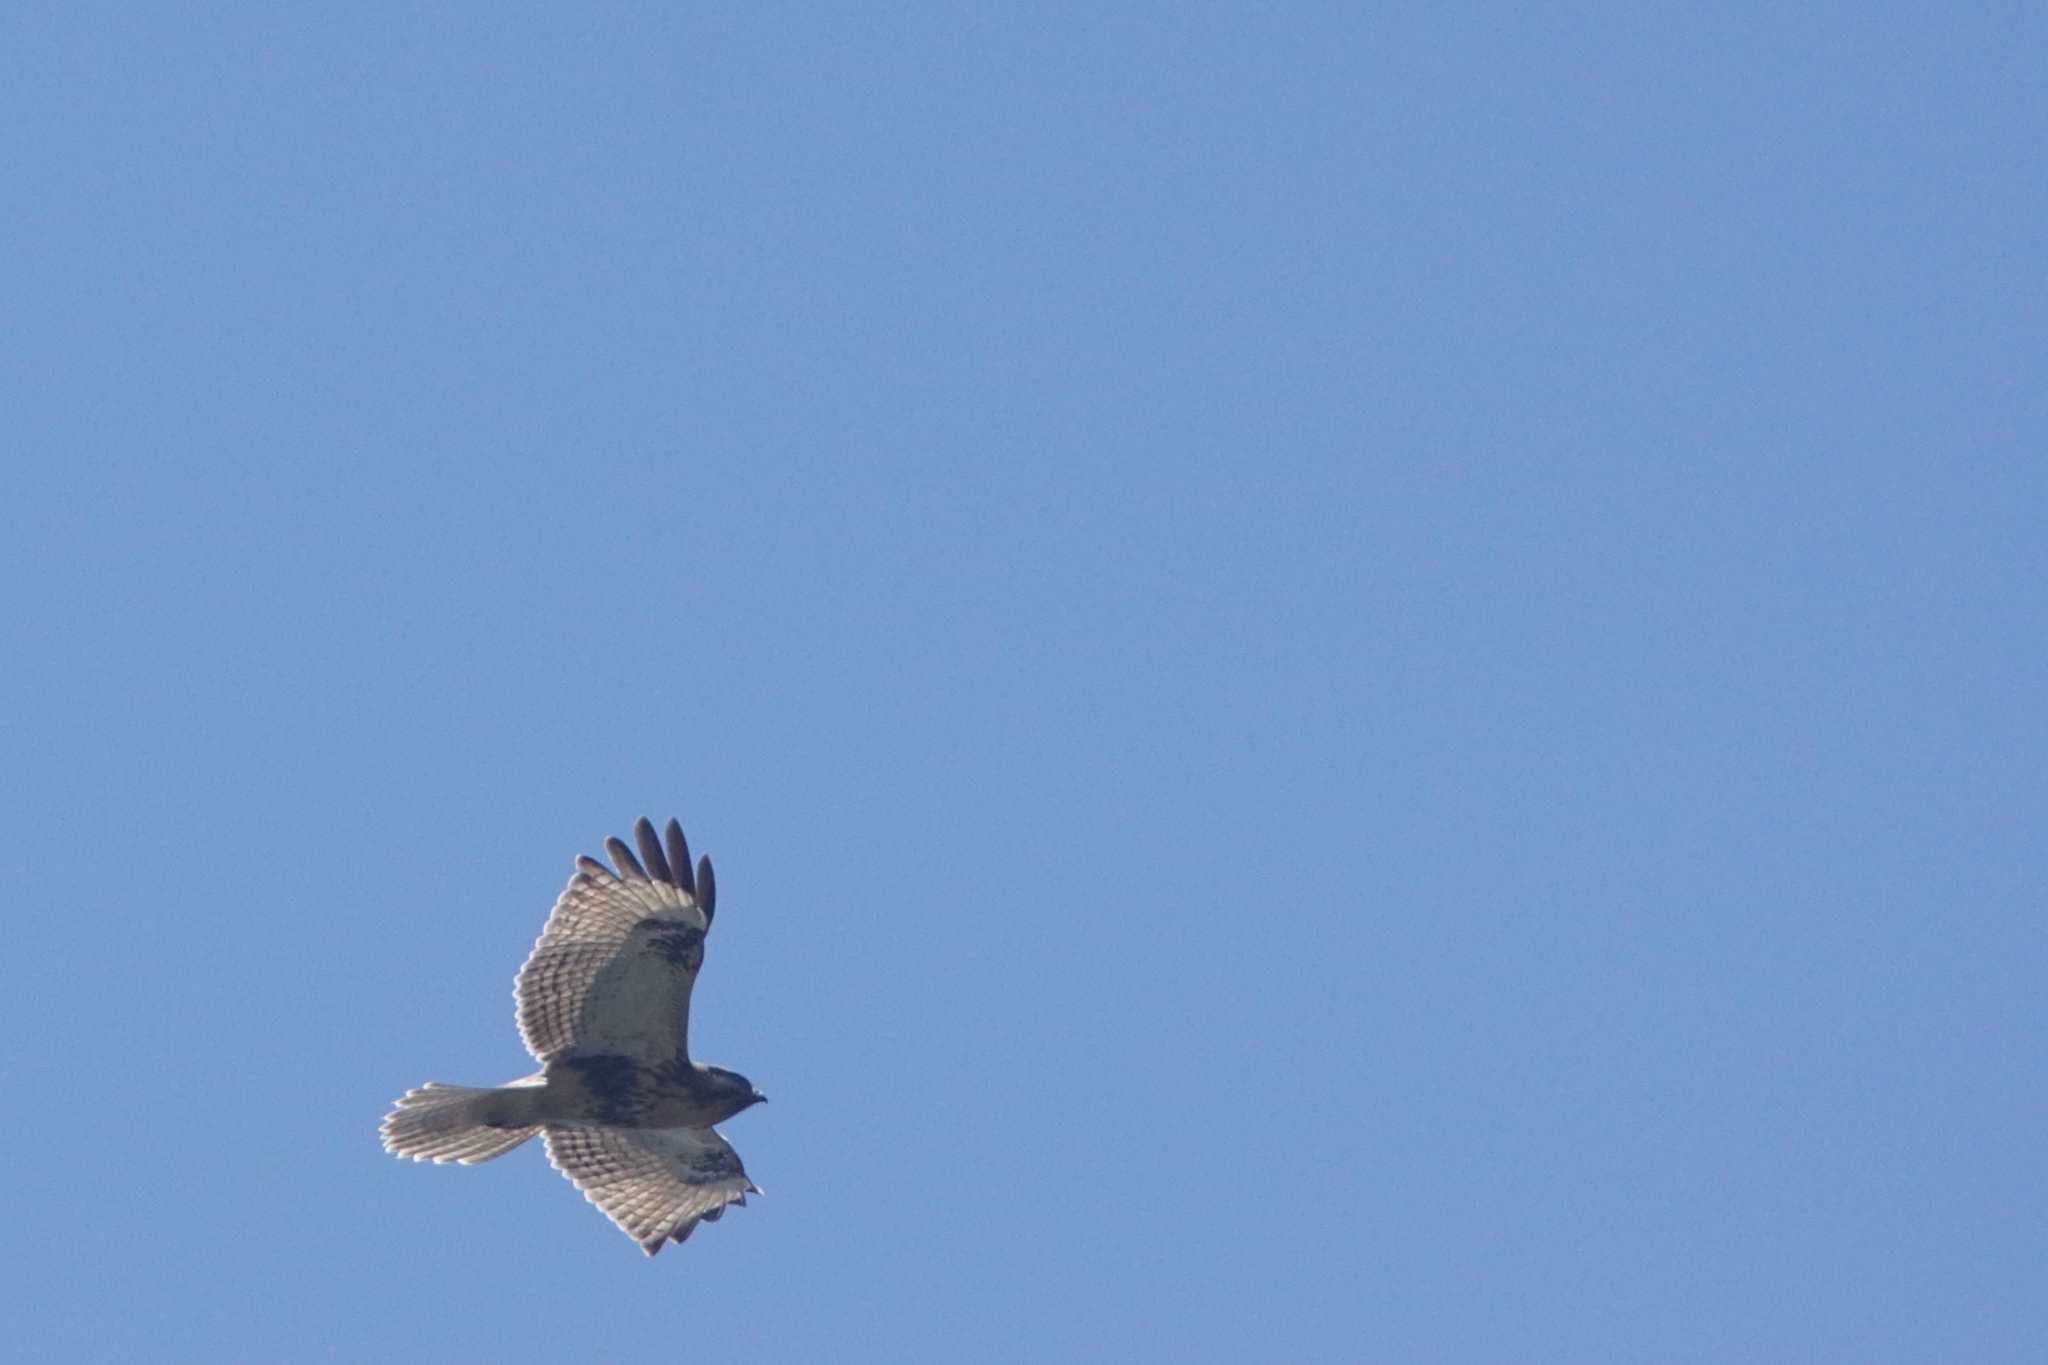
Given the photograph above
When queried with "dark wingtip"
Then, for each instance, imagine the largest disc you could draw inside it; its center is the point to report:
(707, 889)
(623, 859)
(586, 863)
(679, 858)
(650, 851)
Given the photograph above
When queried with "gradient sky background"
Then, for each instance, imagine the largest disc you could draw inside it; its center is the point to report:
(1367, 682)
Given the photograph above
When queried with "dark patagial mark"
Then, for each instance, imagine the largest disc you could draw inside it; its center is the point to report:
(605, 1073)
(709, 1164)
(680, 1074)
(682, 945)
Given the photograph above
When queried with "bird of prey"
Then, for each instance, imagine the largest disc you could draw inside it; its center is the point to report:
(604, 1006)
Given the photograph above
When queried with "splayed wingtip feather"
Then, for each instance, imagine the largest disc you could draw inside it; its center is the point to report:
(651, 856)
(623, 859)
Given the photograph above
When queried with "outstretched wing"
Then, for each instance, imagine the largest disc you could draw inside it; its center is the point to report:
(613, 969)
(655, 1183)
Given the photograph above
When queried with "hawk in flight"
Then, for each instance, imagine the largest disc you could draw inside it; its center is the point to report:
(604, 1006)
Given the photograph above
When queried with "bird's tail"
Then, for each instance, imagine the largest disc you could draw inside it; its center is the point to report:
(457, 1123)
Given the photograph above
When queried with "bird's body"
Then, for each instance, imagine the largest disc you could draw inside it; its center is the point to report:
(610, 1091)
(603, 1004)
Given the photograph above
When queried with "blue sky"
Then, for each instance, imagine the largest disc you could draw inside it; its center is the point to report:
(1367, 682)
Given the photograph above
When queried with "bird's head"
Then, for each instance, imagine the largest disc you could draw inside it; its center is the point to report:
(736, 1087)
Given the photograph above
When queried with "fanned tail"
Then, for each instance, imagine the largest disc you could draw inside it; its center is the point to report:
(460, 1123)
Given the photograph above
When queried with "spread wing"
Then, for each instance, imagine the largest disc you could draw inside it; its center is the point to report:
(655, 1183)
(613, 969)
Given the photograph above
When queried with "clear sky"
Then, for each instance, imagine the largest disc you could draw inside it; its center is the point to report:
(1367, 681)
